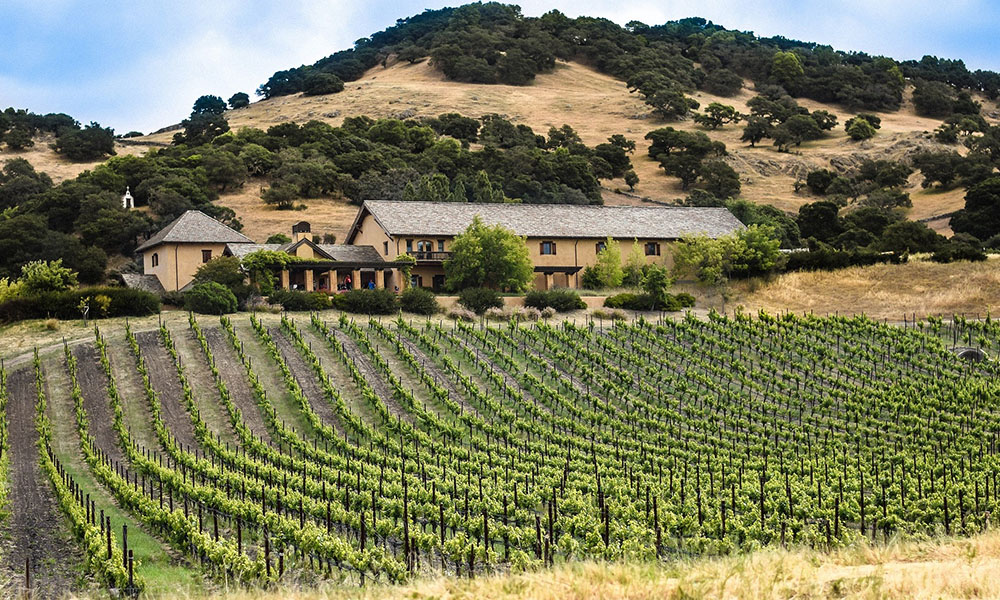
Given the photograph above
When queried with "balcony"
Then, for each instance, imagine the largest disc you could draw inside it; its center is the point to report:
(429, 257)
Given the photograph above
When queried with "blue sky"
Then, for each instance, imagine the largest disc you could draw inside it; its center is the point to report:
(140, 64)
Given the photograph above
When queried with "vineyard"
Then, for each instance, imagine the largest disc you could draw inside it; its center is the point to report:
(255, 450)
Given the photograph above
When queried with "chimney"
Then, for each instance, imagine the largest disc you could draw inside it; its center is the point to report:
(301, 231)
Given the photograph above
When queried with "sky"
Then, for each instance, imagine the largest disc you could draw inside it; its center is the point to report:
(139, 65)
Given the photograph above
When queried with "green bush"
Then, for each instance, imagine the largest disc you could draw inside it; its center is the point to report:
(685, 299)
(174, 298)
(632, 301)
(419, 301)
(952, 251)
(563, 300)
(125, 302)
(296, 301)
(369, 302)
(210, 298)
(591, 279)
(478, 300)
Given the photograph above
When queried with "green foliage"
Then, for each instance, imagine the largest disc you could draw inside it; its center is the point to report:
(819, 180)
(910, 236)
(980, 217)
(720, 179)
(293, 300)
(278, 238)
(786, 67)
(368, 302)
(933, 98)
(819, 220)
(680, 153)
(859, 129)
(261, 265)
(319, 84)
(90, 143)
(960, 247)
(645, 301)
(607, 269)
(723, 82)
(825, 258)
(39, 277)
(717, 114)
(562, 300)
(756, 129)
(18, 138)
(227, 271)
(746, 253)
(239, 100)
(479, 299)
(124, 302)
(418, 300)
(210, 298)
(656, 280)
(208, 105)
(488, 256)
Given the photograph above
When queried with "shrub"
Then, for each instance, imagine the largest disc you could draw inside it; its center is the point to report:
(591, 279)
(174, 298)
(461, 314)
(547, 313)
(827, 259)
(479, 299)
(685, 299)
(497, 314)
(210, 298)
(613, 315)
(368, 302)
(296, 301)
(952, 251)
(630, 301)
(419, 301)
(563, 300)
(124, 302)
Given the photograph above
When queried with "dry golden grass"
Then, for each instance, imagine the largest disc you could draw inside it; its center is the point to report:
(940, 569)
(326, 215)
(880, 291)
(598, 106)
(44, 159)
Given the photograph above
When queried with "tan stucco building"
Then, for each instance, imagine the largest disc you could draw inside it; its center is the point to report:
(562, 239)
(174, 254)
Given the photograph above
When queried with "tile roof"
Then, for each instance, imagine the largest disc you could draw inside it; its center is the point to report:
(195, 226)
(149, 283)
(241, 250)
(552, 220)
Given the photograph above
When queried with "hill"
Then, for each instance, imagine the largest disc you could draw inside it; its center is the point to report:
(596, 106)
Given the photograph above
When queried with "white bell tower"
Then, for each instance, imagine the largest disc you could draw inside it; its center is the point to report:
(127, 200)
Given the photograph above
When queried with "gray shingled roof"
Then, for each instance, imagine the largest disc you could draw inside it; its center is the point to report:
(340, 252)
(553, 220)
(195, 226)
(348, 253)
(149, 283)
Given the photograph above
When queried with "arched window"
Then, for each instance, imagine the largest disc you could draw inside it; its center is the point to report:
(425, 246)
(154, 260)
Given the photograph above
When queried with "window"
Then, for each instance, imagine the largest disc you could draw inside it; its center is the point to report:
(547, 248)
(425, 246)
(652, 248)
(440, 245)
(601, 246)
(385, 248)
(206, 255)
(154, 260)
(416, 281)
(409, 245)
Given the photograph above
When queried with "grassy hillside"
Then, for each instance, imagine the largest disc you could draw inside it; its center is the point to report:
(597, 106)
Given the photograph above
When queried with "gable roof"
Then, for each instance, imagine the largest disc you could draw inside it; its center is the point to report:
(549, 220)
(195, 226)
(337, 252)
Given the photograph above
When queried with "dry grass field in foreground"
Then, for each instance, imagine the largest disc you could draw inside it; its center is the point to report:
(880, 291)
(942, 569)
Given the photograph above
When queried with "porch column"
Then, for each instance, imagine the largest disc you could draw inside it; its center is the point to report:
(356, 279)
(284, 279)
(379, 279)
(331, 276)
(404, 281)
(548, 281)
(309, 280)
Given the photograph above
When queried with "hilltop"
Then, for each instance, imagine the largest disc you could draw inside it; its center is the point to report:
(596, 106)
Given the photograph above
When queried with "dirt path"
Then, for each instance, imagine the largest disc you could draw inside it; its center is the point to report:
(202, 382)
(35, 533)
(372, 376)
(163, 377)
(93, 386)
(306, 379)
(234, 376)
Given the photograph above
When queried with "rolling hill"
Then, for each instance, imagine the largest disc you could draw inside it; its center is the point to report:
(596, 106)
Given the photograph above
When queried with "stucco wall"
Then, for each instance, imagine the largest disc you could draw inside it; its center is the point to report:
(178, 262)
(370, 234)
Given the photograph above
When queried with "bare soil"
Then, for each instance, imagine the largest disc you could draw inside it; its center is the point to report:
(35, 532)
(163, 377)
(306, 379)
(233, 375)
(94, 388)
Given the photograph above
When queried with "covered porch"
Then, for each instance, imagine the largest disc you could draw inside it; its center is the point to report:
(549, 277)
(337, 277)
